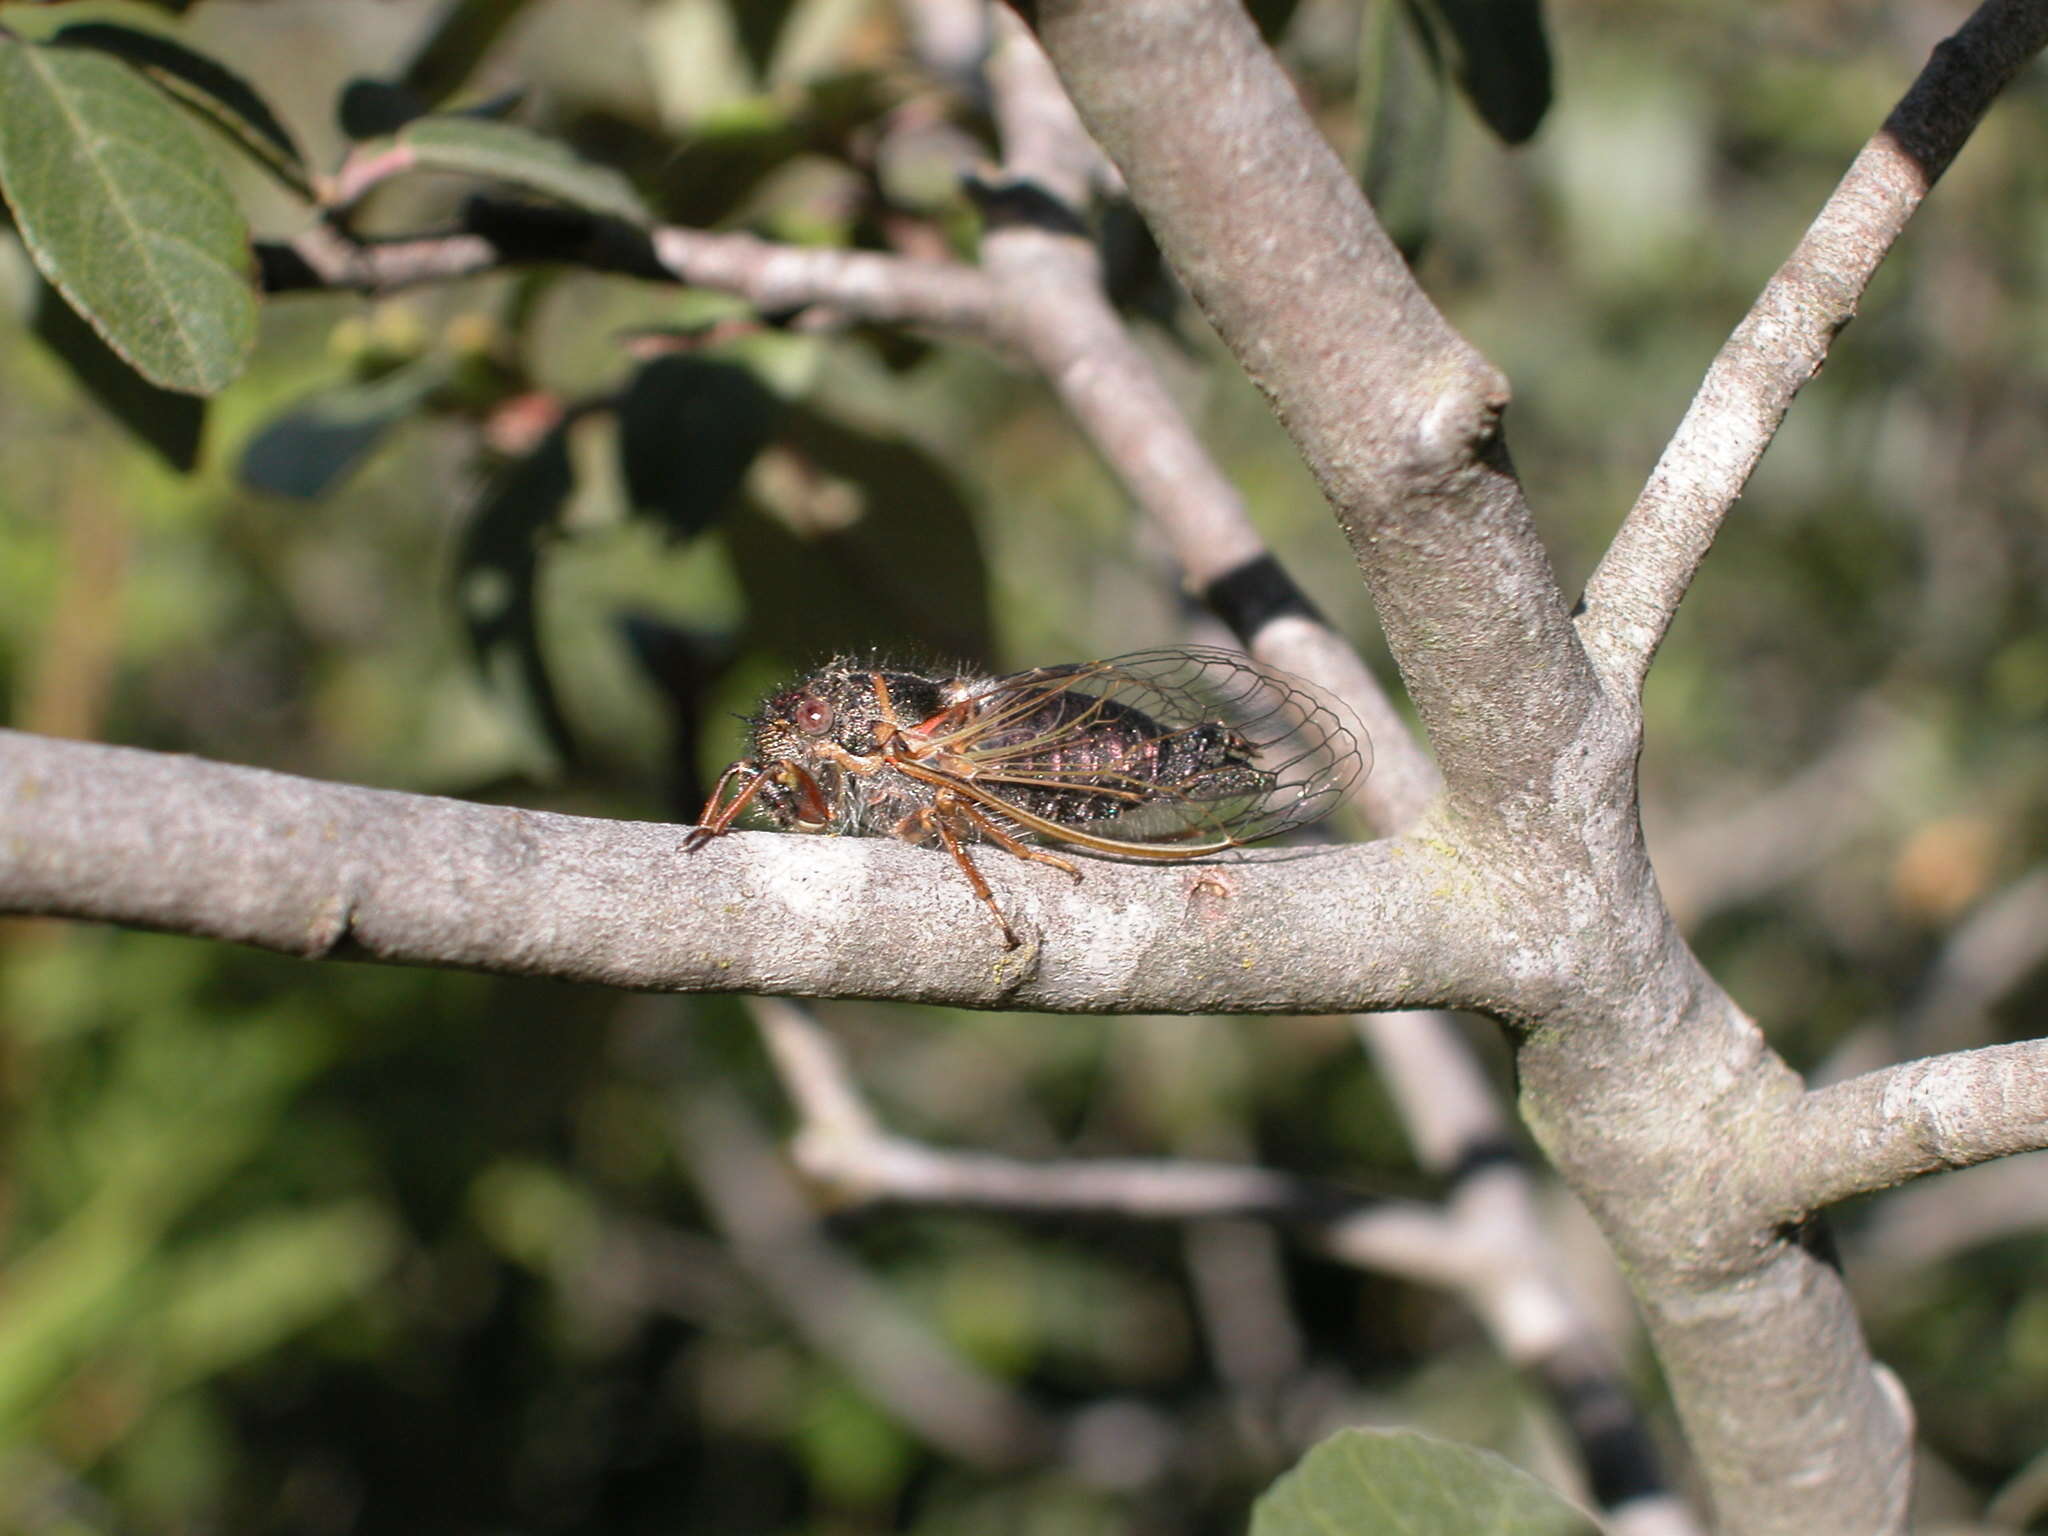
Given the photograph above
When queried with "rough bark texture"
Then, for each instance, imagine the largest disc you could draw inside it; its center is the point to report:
(327, 870)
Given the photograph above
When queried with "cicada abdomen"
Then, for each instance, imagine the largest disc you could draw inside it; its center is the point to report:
(1166, 753)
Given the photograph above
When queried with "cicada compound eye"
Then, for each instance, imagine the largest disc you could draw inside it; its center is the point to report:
(812, 715)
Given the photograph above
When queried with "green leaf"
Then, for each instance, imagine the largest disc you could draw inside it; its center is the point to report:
(124, 211)
(498, 580)
(862, 540)
(207, 86)
(1397, 1482)
(689, 429)
(375, 109)
(1503, 61)
(305, 452)
(1405, 106)
(506, 152)
(170, 423)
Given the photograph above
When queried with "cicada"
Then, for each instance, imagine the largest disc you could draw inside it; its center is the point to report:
(1168, 754)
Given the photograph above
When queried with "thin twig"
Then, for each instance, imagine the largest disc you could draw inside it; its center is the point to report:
(868, 286)
(881, 289)
(1782, 342)
(363, 170)
(1488, 1246)
(841, 1144)
(837, 1306)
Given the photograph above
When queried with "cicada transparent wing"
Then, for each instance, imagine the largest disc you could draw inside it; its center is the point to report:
(1158, 754)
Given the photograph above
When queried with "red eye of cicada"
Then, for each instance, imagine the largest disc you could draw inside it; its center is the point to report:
(813, 715)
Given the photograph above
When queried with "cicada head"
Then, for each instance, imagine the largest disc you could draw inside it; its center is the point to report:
(822, 728)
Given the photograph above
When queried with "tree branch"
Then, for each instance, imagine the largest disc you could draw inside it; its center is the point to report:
(1929, 1116)
(323, 870)
(1641, 1066)
(840, 1143)
(837, 1305)
(1782, 342)
(1395, 414)
(867, 285)
(1054, 311)
(861, 285)
(1492, 1248)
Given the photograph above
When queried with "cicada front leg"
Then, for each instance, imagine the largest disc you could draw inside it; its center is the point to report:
(796, 794)
(715, 819)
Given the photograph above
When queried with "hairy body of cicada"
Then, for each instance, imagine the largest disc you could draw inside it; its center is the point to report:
(1161, 754)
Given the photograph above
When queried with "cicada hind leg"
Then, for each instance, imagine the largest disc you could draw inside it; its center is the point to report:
(1010, 845)
(940, 819)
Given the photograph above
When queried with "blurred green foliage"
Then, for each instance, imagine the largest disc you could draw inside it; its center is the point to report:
(324, 1248)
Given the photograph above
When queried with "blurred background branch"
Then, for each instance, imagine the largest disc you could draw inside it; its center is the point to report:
(863, 286)
(1487, 1243)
